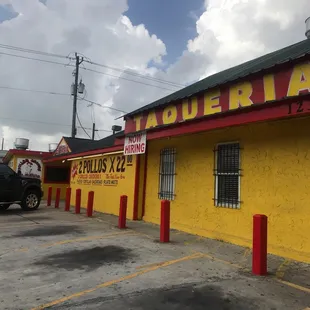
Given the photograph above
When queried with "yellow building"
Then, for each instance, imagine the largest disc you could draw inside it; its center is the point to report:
(98, 166)
(230, 146)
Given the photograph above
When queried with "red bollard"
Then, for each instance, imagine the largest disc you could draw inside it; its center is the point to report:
(122, 212)
(90, 204)
(57, 199)
(259, 255)
(165, 221)
(49, 196)
(68, 199)
(78, 201)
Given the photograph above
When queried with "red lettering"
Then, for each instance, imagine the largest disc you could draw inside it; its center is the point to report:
(142, 147)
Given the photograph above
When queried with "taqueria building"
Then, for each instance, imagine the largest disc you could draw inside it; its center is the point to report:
(232, 145)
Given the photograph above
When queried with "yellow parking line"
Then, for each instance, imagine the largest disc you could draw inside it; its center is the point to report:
(293, 285)
(109, 283)
(296, 286)
(282, 268)
(220, 260)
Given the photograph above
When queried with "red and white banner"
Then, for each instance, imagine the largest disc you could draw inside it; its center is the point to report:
(135, 144)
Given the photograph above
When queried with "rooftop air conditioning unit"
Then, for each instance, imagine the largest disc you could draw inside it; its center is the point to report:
(21, 144)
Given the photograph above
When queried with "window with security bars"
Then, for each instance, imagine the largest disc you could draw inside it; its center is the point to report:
(227, 175)
(167, 174)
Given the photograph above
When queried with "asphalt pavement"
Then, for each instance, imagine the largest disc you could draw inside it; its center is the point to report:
(51, 259)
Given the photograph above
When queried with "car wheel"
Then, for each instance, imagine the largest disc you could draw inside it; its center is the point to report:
(4, 207)
(31, 200)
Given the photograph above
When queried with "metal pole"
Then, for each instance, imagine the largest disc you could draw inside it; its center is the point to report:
(76, 80)
(93, 134)
(2, 144)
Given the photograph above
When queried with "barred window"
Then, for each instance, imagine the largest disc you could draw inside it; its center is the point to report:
(227, 175)
(167, 174)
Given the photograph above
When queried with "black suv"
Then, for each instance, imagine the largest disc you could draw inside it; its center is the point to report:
(16, 189)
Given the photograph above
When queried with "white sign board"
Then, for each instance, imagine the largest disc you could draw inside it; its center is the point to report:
(30, 167)
(135, 144)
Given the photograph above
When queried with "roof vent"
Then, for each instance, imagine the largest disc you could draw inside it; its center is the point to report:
(308, 27)
(52, 147)
(21, 144)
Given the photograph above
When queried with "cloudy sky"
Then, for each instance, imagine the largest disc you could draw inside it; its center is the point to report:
(146, 48)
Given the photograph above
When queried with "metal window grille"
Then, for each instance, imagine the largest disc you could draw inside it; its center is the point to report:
(167, 174)
(227, 174)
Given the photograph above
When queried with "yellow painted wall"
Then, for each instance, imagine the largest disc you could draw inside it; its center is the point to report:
(106, 197)
(275, 163)
(62, 187)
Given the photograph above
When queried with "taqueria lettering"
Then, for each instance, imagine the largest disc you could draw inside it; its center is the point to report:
(269, 87)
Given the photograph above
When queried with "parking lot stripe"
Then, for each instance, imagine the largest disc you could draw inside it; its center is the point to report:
(296, 286)
(109, 283)
(220, 260)
(282, 268)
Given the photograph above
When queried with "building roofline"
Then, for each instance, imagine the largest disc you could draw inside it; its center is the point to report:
(13, 152)
(241, 72)
(86, 153)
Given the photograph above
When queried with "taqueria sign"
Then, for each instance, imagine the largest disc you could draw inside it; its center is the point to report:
(259, 90)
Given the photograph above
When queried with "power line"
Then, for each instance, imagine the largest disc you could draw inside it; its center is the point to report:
(34, 91)
(31, 51)
(47, 123)
(137, 74)
(101, 105)
(100, 72)
(49, 54)
(123, 78)
(60, 94)
(78, 118)
(37, 59)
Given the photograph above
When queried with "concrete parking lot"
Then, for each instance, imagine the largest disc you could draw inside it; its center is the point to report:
(51, 259)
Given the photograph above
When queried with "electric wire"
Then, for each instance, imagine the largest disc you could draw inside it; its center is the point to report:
(170, 83)
(101, 105)
(34, 91)
(78, 118)
(31, 51)
(60, 94)
(47, 123)
(123, 78)
(87, 69)
(36, 59)
(88, 60)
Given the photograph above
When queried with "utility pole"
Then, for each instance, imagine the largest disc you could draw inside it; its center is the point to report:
(93, 133)
(2, 144)
(78, 61)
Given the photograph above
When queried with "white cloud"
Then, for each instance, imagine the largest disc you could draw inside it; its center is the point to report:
(233, 31)
(229, 32)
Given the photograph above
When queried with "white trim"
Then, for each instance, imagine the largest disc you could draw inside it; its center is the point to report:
(96, 155)
(223, 205)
